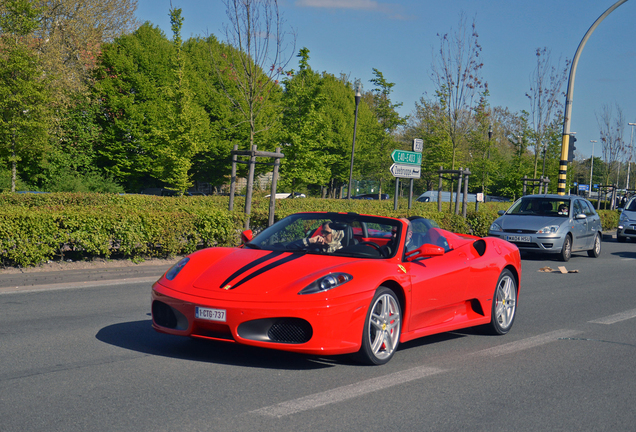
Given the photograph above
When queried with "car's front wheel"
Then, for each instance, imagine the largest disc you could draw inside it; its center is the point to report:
(382, 327)
(504, 304)
(566, 250)
(596, 250)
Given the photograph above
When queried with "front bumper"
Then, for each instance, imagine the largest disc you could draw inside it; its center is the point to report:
(627, 229)
(534, 243)
(324, 327)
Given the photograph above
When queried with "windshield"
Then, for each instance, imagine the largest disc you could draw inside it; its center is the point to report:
(332, 233)
(541, 207)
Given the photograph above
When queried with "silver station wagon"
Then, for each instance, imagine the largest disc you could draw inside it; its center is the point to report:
(551, 224)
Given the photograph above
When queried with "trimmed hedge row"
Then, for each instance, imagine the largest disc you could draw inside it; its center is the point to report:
(35, 228)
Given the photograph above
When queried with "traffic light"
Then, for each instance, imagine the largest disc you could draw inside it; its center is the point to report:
(571, 148)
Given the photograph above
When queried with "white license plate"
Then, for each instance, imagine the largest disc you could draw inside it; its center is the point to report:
(523, 239)
(210, 314)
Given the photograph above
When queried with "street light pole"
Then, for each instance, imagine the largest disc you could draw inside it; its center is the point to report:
(353, 146)
(567, 111)
(629, 164)
(591, 166)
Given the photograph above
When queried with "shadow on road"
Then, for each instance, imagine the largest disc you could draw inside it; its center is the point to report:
(141, 337)
(625, 254)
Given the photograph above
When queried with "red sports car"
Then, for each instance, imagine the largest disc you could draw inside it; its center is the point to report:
(336, 283)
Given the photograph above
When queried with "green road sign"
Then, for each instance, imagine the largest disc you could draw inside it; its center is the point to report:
(406, 157)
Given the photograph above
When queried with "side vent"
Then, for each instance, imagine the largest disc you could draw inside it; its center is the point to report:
(480, 246)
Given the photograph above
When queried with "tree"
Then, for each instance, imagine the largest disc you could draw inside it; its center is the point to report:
(428, 124)
(212, 165)
(545, 89)
(254, 66)
(70, 36)
(459, 85)
(184, 131)
(304, 128)
(130, 82)
(23, 87)
(377, 159)
(611, 125)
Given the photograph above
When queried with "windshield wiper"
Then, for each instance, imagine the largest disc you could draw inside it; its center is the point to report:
(252, 246)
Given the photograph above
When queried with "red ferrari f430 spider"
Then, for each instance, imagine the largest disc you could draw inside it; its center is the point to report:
(337, 283)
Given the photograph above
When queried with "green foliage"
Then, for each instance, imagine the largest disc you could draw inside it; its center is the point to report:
(23, 90)
(35, 228)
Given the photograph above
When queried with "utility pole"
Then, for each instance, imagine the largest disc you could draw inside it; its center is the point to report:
(563, 163)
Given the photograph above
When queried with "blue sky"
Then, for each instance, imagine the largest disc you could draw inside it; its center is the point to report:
(399, 37)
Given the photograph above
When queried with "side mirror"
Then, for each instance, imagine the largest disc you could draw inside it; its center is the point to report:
(246, 236)
(580, 216)
(425, 251)
(501, 212)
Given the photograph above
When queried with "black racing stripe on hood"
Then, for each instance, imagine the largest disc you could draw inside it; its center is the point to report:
(251, 265)
(268, 267)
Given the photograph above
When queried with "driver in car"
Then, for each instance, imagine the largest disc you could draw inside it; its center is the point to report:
(330, 240)
(563, 210)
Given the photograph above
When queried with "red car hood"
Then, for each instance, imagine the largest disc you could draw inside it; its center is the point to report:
(245, 274)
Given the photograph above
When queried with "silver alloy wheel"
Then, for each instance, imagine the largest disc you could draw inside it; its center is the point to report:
(384, 326)
(566, 252)
(596, 250)
(505, 302)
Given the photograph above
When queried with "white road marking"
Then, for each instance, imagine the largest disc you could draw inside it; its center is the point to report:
(346, 392)
(358, 389)
(524, 344)
(612, 319)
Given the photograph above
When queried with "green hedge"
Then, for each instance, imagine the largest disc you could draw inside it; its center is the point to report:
(35, 228)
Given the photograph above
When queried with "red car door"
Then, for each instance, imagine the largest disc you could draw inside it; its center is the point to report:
(438, 288)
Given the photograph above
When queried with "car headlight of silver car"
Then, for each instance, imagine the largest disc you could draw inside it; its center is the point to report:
(550, 229)
(326, 283)
(495, 227)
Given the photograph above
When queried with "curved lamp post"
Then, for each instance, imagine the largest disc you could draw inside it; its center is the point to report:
(563, 163)
(353, 146)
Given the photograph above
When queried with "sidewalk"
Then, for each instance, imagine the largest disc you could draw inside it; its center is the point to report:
(91, 274)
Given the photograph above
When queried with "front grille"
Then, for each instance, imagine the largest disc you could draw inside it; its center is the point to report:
(630, 232)
(520, 231)
(166, 316)
(526, 245)
(290, 330)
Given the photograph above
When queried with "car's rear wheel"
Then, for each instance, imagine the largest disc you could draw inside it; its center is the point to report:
(381, 335)
(566, 250)
(504, 303)
(596, 250)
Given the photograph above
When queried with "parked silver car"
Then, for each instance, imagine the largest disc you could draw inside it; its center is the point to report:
(627, 222)
(552, 224)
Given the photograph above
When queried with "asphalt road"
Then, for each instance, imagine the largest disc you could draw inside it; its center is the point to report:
(84, 358)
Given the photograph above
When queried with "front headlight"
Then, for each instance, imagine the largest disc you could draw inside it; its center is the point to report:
(175, 269)
(326, 283)
(495, 227)
(551, 229)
